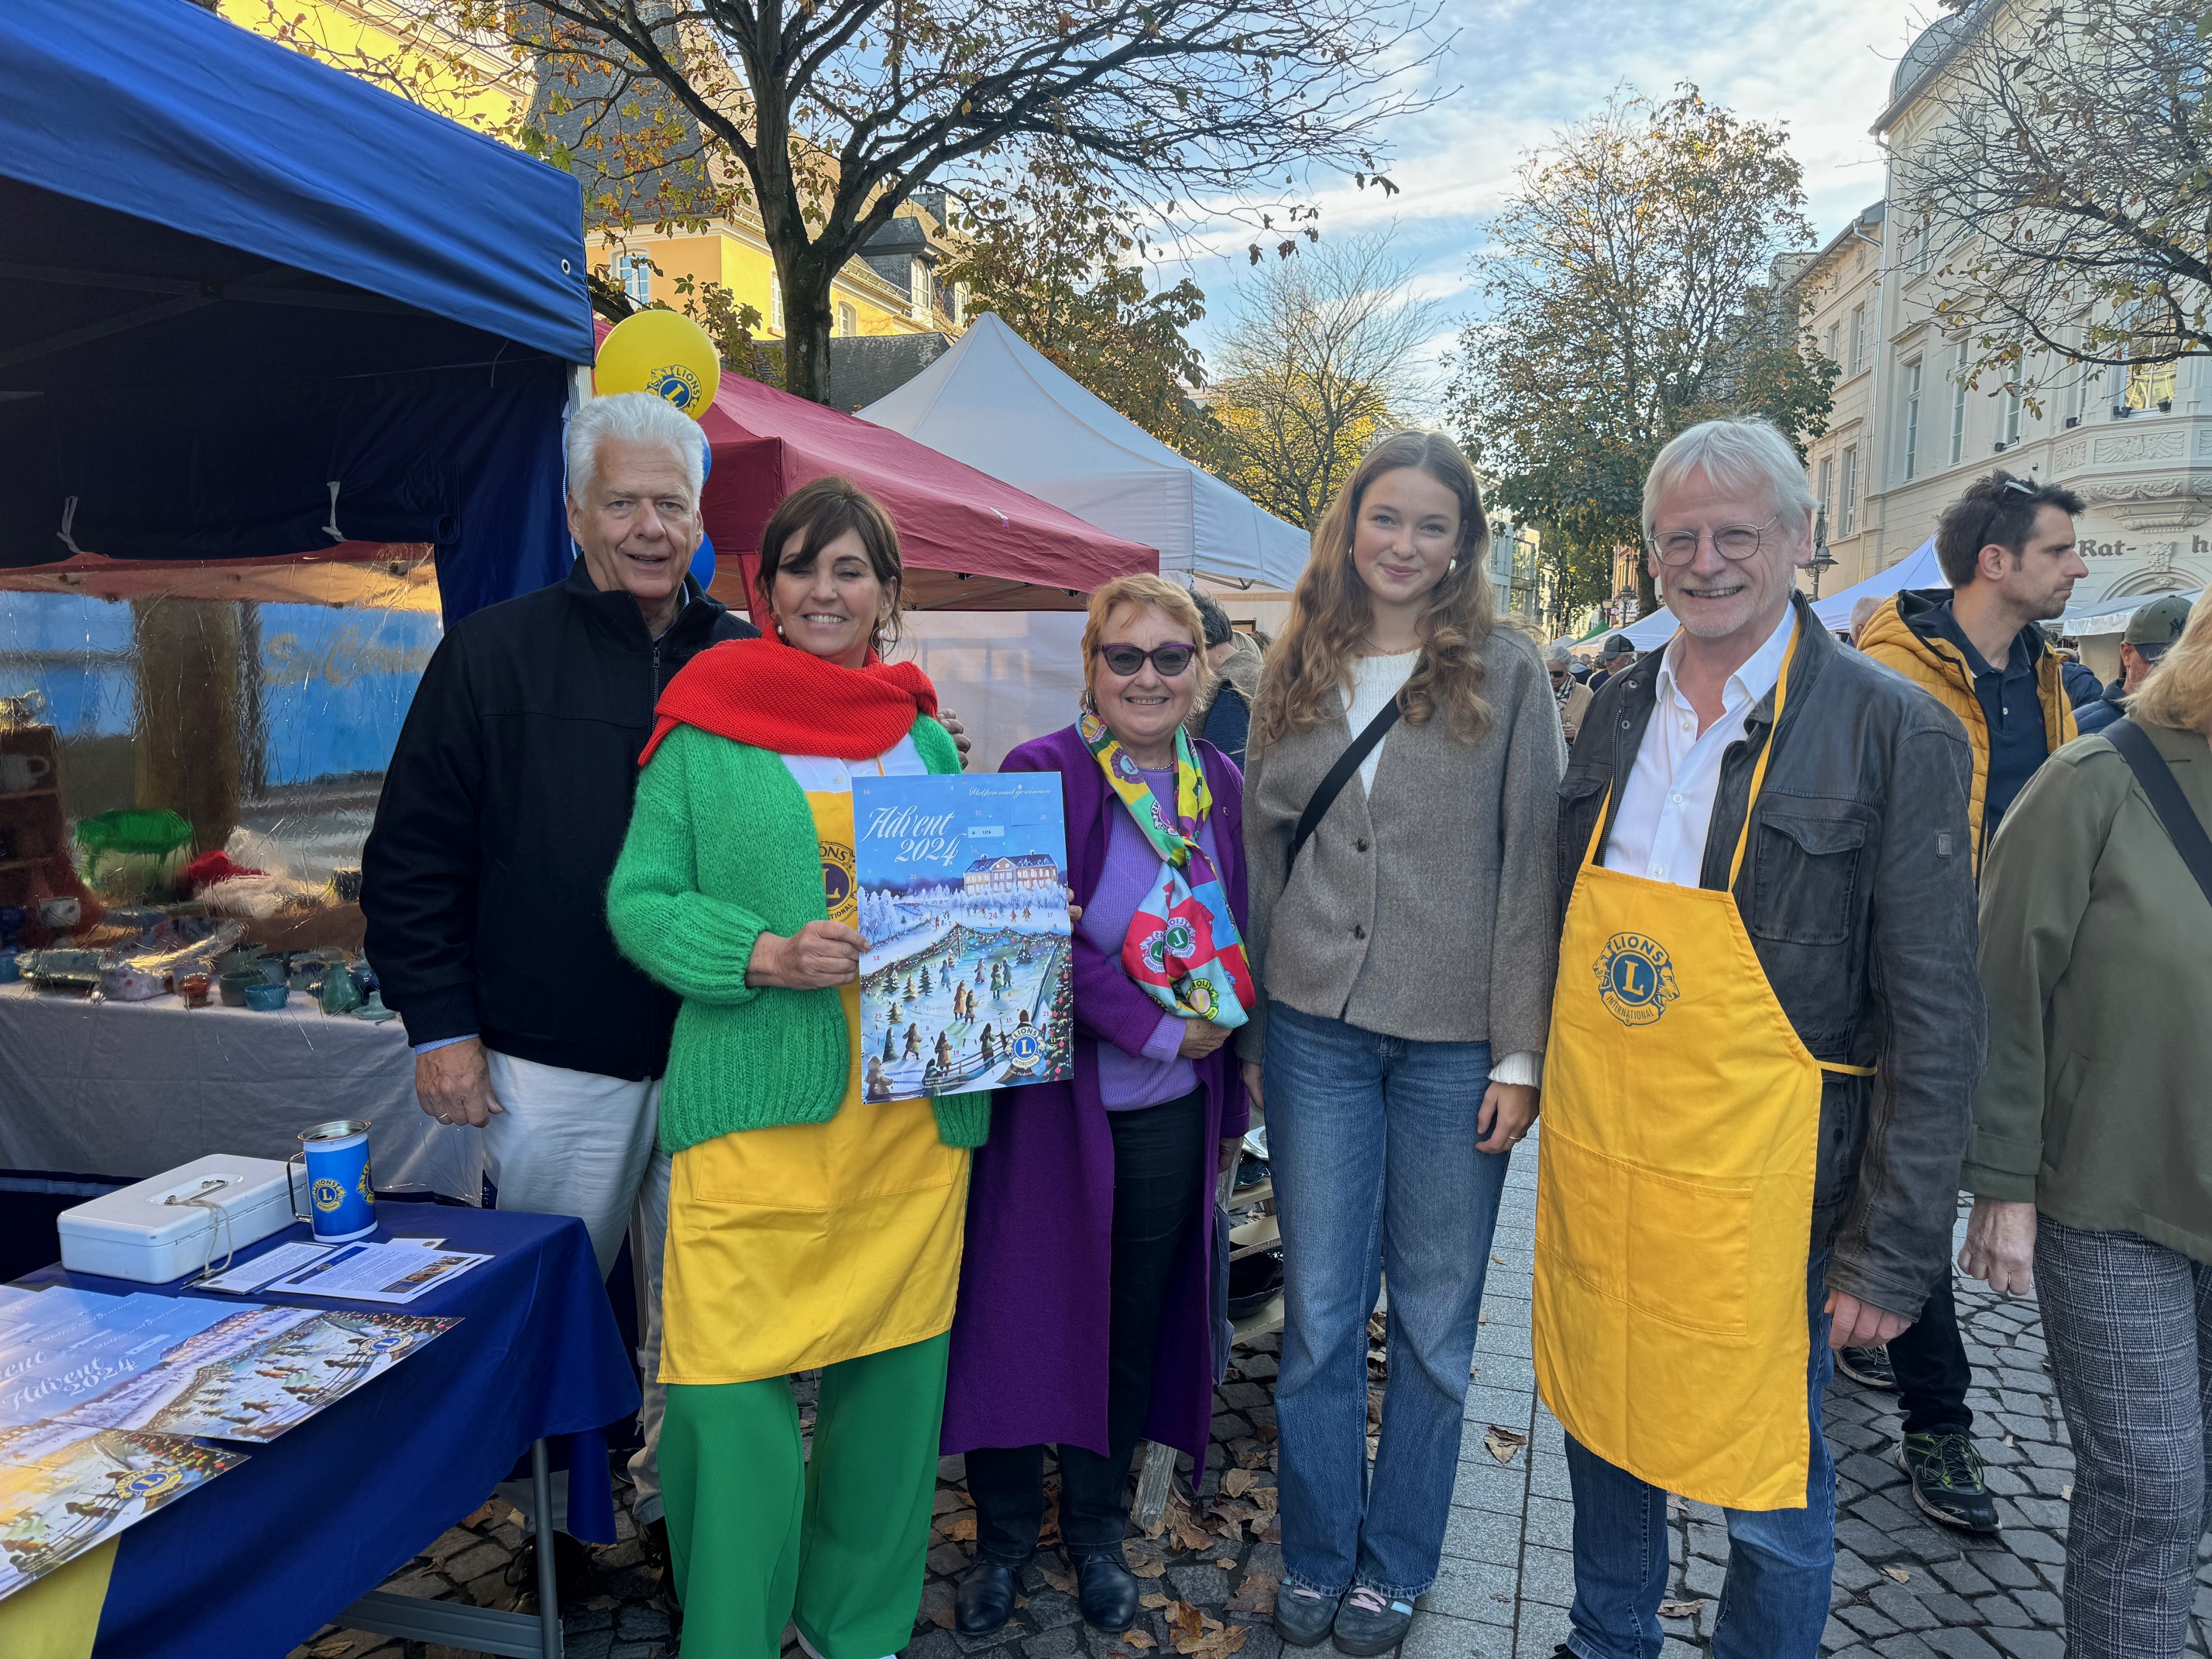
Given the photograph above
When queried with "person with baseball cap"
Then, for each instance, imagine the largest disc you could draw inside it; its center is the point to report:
(1620, 651)
(2150, 631)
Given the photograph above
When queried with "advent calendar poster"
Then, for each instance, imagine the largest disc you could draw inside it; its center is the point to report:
(965, 983)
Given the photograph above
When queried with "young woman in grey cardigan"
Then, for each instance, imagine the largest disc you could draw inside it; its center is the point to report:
(1404, 960)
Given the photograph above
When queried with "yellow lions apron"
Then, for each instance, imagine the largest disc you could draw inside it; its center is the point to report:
(809, 1243)
(1681, 1121)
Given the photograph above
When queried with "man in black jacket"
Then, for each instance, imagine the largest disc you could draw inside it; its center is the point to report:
(484, 879)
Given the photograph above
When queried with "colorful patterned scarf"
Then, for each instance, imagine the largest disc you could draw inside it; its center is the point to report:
(1182, 947)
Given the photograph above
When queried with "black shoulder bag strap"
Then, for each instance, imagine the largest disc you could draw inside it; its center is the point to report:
(1331, 787)
(2166, 797)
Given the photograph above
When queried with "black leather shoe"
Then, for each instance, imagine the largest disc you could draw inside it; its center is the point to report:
(1106, 1590)
(985, 1599)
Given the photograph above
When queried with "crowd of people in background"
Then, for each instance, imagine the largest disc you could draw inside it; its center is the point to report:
(1787, 939)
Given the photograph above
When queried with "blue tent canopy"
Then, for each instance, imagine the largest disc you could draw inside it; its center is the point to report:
(251, 306)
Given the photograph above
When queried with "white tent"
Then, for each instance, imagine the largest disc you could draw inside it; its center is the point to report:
(998, 404)
(1918, 569)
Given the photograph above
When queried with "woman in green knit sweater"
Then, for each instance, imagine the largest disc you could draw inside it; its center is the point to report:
(806, 1228)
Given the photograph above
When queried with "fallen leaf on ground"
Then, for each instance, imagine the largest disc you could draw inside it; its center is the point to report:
(1148, 1569)
(1680, 1609)
(334, 1649)
(1482, 1318)
(2066, 1492)
(601, 1603)
(1898, 1573)
(1227, 1564)
(1498, 1259)
(1236, 1482)
(1155, 1600)
(1064, 1582)
(479, 1516)
(1255, 1595)
(1136, 1638)
(1266, 1498)
(1250, 1454)
(1676, 1501)
(942, 1619)
(1501, 1442)
(960, 1528)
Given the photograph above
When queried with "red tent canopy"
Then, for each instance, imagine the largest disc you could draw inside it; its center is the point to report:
(969, 542)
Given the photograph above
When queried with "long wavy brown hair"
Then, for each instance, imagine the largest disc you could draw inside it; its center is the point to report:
(1330, 614)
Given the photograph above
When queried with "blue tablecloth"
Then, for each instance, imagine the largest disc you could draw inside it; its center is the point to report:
(255, 1561)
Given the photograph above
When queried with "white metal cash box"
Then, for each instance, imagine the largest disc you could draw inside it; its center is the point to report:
(176, 1223)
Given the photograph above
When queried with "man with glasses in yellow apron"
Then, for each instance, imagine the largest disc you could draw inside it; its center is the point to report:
(1764, 1042)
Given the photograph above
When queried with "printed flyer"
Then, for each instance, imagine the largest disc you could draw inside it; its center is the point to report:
(965, 983)
(67, 1486)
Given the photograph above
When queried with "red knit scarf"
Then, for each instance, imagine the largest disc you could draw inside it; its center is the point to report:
(776, 698)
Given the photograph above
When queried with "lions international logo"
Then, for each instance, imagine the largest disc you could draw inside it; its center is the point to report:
(1635, 978)
(1026, 1048)
(329, 1194)
(837, 878)
(361, 1186)
(148, 1484)
(678, 384)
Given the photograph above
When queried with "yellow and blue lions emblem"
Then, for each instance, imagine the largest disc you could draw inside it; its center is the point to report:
(676, 383)
(1635, 978)
(329, 1194)
(838, 874)
(146, 1484)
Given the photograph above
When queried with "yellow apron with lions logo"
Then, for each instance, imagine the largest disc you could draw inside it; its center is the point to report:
(798, 1246)
(1682, 1119)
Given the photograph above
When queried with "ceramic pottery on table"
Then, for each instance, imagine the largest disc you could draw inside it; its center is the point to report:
(234, 984)
(22, 772)
(62, 970)
(338, 995)
(10, 973)
(60, 913)
(374, 1010)
(267, 999)
(193, 988)
(342, 1204)
(141, 920)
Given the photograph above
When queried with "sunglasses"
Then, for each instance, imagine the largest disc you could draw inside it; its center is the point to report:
(1127, 660)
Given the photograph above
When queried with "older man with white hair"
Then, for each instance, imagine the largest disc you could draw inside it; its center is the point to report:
(1765, 1042)
(484, 879)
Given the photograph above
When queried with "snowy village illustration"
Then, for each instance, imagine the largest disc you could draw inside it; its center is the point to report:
(965, 983)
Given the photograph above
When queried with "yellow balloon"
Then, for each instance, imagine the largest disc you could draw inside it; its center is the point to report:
(663, 352)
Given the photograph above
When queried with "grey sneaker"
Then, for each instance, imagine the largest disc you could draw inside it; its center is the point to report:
(1369, 1623)
(1303, 1617)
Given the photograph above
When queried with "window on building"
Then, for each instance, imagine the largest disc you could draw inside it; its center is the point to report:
(960, 304)
(2149, 385)
(917, 289)
(775, 303)
(848, 321)
(1849, 519)
(1912, 419)
(1858, 338)
(1925, 237)
(634, 272)
(1958, 405)
(1827, 493)
(1836, 345)
(2012, 406)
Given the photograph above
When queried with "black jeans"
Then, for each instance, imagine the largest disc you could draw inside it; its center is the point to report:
(1932, 1372)
(1160, 1196)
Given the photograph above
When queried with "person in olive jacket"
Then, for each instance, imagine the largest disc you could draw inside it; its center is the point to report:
(2090, 1164)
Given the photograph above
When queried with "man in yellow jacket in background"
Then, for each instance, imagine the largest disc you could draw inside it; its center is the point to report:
(2008, 549)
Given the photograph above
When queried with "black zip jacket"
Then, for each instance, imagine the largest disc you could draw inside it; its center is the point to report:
(484, 880)
(1858, 894)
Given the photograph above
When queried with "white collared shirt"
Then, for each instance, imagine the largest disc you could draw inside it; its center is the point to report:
(1667, 806)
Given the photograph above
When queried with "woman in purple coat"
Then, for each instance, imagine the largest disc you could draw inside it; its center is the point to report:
(1086, 1290)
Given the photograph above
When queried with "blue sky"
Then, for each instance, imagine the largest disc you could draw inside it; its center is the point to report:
(1519, 69)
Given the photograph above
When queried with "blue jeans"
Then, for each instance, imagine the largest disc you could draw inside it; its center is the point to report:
(1775, 1603)
(1372, 1141)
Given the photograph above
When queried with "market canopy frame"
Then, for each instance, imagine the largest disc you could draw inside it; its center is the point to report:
(252, 306)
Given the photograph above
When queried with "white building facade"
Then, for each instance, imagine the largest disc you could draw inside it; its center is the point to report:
(1907, 433)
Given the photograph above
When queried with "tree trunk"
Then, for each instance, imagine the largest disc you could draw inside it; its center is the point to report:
(808, 323)
(1647, 592)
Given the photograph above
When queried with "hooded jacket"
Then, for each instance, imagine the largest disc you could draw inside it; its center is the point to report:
(1901, 635)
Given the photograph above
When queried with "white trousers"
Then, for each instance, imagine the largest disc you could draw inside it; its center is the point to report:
(576, 1143)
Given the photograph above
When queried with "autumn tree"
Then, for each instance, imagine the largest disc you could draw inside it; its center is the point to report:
(1323, 358)
(821, 117)
(2064, 190)
(1630, 288)
(1059, 256)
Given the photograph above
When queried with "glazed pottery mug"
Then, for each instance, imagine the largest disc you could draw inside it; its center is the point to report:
(341, 1202)
(22, 772)
(59, 914)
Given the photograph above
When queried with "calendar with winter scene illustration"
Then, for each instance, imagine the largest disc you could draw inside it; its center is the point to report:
(965, 983)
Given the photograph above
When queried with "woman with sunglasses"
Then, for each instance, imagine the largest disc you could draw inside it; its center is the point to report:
(1404, 934)
(1086, 1290)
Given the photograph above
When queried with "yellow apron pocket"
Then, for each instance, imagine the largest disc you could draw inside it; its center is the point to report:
(1582, 1219)
(1693, 1266)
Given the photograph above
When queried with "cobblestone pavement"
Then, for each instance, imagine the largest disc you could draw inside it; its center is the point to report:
(1904, 1588)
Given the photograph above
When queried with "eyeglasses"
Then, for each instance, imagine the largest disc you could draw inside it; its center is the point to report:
(1733, 542)
(1125, 660)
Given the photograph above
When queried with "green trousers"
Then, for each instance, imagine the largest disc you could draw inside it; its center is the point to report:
(762, 1535)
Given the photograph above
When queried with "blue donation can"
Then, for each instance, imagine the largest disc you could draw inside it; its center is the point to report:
(341, 1204)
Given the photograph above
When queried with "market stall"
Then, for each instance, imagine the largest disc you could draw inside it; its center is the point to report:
(271, 340)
